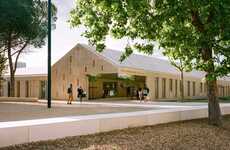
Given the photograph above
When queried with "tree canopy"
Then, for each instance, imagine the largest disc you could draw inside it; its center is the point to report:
(199, 29)
(26, 21)
(22, 24)
(187, 25)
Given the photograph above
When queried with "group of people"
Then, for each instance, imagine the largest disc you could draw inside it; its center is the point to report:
(143, 94)
(80, 93)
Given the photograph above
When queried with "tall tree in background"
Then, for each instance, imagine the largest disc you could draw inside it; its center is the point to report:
(2, 66)
(22, 24)
(182, 63)
(2, 70)
(200, 28)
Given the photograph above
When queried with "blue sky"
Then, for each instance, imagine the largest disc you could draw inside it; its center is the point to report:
(64, 38)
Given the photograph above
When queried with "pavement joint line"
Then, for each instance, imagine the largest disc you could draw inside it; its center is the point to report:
(145, 105)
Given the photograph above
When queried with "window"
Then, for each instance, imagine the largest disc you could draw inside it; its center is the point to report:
(8, 88)
(228, 90)
(70, 64)
(170, 85)
(70, 59)
(163, 88)
(27, 89)
(1, 89)
(102, 68)
(43, 87)
(188, 88)
(18, 88)
(201, 87)
(85, 69)
(94, 63)
(205, 87)
(78, 82)
(181, 86)
(223, 90)
(157, 88)
(63, 76)
(175, 88)
(194, 88)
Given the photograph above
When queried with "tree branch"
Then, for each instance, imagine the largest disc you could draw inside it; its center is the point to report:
(196, 21)
(210, 16)
(4, 50)
(18, 54)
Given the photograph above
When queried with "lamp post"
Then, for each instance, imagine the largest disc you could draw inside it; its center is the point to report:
(49, 55)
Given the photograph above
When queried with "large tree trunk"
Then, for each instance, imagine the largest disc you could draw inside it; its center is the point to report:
(214, 112)
(11, 66)
(12, 78)
(12, 85)
(182, 86)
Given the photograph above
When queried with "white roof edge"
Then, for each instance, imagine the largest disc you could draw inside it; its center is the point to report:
(99, 55)
(27, 75)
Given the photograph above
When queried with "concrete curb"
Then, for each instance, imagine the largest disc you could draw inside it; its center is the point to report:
(18, 132)
(18, 99)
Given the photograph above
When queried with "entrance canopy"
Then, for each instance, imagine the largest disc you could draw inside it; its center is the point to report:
(114, 85)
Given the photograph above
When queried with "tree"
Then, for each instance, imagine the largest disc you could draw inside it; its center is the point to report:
(182, 63)
(23, 23)
(2, 66)
(201, 29)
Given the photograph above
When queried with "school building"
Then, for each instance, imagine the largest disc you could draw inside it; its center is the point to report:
(102, 75)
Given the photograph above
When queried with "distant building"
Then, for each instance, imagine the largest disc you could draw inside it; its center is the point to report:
(102, 75)
(21, 65)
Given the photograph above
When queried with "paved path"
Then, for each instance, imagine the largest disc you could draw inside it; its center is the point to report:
(13, 111)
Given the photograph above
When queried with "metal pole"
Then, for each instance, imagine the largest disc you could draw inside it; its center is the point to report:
(49, 55)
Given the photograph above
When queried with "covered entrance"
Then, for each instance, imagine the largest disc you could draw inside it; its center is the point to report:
(114, 86)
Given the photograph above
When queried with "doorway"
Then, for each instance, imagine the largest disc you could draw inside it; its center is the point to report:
(18, 88)
(43, 87)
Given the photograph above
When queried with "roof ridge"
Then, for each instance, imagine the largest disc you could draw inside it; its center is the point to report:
(133, 54)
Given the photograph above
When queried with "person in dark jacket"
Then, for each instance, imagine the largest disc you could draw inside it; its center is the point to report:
(80, 93)
(146, 93)
(70, 93)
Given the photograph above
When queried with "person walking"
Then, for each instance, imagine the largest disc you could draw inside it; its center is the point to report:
(70, 93)
(80, 93)
(140, 94)
(146, 93)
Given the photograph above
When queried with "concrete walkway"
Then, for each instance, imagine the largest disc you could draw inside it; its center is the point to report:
(15, 111)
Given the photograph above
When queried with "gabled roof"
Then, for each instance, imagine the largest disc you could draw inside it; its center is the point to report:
(142, 62)
(135, 61)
